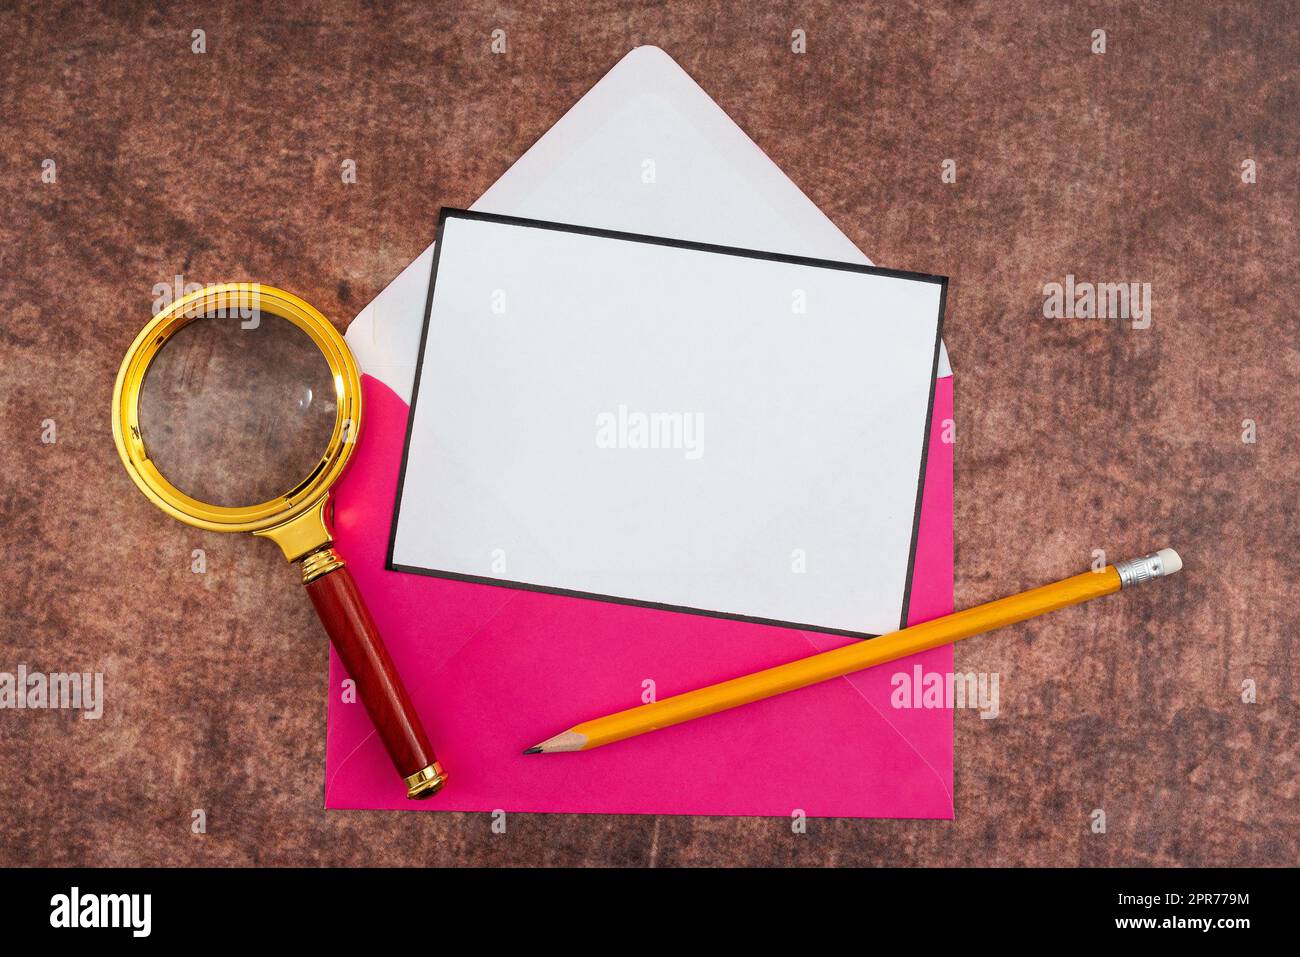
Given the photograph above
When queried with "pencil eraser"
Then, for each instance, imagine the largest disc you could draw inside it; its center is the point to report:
(1170, 559)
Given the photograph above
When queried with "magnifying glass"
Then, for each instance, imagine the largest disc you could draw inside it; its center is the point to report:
(235, 410)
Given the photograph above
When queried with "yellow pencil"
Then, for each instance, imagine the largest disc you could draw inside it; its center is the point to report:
(864, 654)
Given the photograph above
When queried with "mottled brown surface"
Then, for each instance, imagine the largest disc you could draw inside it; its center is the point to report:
(1072, 434)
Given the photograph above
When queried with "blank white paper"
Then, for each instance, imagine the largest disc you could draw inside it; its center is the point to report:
(667, 425)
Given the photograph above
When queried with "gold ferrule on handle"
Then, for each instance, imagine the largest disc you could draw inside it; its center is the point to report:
(320, 563)
(426, 782)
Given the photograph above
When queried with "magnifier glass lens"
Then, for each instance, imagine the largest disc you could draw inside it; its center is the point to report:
(235, 411)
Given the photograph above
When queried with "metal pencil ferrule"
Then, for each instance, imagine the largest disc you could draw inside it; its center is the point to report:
(1135, 571)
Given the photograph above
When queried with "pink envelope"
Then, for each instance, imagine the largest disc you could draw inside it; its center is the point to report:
(494, 670)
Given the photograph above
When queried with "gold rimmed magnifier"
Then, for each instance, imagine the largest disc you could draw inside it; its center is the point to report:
(235, 410)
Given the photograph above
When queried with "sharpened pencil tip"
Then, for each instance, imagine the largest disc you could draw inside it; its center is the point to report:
(535, 749)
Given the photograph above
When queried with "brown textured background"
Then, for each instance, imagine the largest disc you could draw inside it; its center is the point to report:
(1072, 434)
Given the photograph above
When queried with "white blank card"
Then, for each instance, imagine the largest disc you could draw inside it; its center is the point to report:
(694, 427)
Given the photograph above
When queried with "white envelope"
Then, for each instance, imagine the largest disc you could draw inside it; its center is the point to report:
(645, 151)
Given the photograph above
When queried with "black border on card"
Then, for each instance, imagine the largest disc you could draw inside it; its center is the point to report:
(452, 213)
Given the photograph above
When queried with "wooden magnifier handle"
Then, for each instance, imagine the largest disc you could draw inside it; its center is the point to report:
(356, 639)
